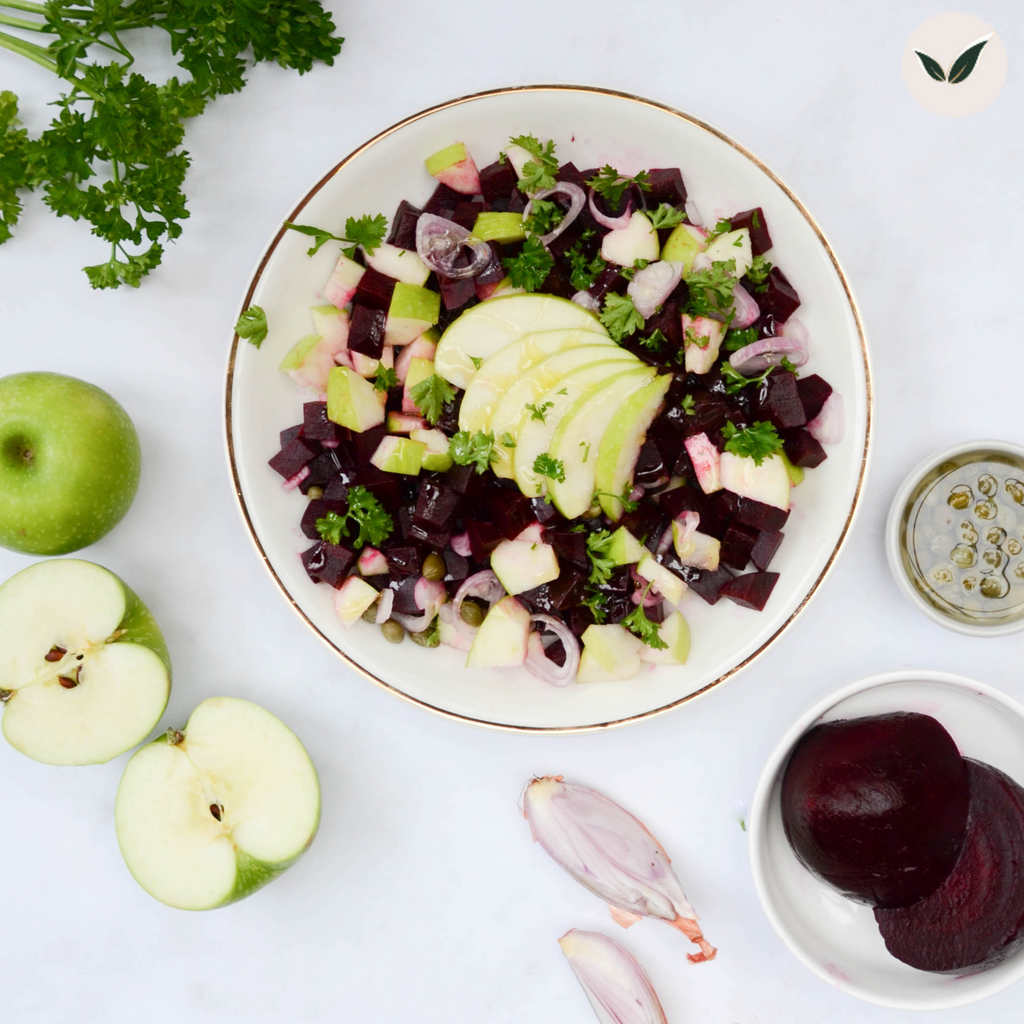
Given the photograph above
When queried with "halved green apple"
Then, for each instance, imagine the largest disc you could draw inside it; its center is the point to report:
(488, 327)
(84, 672)
(208, 814)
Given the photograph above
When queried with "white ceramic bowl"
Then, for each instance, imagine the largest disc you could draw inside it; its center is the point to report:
(894, 529)
(833, 936)
(591, 127)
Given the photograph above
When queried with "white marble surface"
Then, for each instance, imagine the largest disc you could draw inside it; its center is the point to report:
(423, 897)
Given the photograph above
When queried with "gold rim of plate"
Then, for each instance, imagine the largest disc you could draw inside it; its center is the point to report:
(654, 712)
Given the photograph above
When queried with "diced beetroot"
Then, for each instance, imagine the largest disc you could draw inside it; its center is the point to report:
(316, 425)
(460, 477)
(709, 413)
(759, 515)
(560, 594)
(616, 606)
(687, 498)
(374, 291)
(751, 590)
(465, 213)
(647, 522)
(754, 221)
(449, 421)
(289, 434)
(458, 566)
(483, 538)
(780, 401)
(767, 544)
(737, 544)
(516, 202)
(385, 487)
(570, 547)
(568, 172)
(813, 392)
(802, 449)
(579, 617)
(366, 331)
(317, 509)
(337, 489)
(328, 563)
(666, 186)
(403, 226)
(442, 202)
(436, 539)
(497, 180)
(650, 467)
(405, 596)
(293, 456)
(559, 282)
(455, 292)
(555, 652)
(404, 559)
(366, 444)
(705, 583)
(779, 301)
(322, 470)
(491, 276)
(512, 511)
(667, 321)
(436, 504)
(620, 581)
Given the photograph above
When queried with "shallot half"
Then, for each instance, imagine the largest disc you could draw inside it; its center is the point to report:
(439, 243)
(613, 854)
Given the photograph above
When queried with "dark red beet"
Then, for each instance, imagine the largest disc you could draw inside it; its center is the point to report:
(570, 173)
(456, 292)
(403, 226)
(484, 537)
(366, 331)
(322, 470)
(737, 544)
(289, 434)
(975, 918)
(877, 806)
(317, 509)
(767, 544)
(466, 212)
(545, 513)
(511, 511)
(443, 201)
(668, 321)
(813, 391)
(705, 583)
(328, 563)
(457, 566)
(404, 559)
(751, 590)
(497, 180)
(436, 504)
(293, 456)
(385, 487)
(802, 449)
(650, 467)
(779, 301)
(374, 290)
(609, 280)
(460, 477)
(780, 402)
(754, 221)
(488, 278)
(560, 594)
(366, 444)
(569, 547)
(647, 522)
(666, 186)
(316, 425)
(337, 489)
(759, 515)
(405, 599)
(435, 539)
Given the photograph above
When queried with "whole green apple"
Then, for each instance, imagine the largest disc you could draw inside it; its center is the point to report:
(69, 463)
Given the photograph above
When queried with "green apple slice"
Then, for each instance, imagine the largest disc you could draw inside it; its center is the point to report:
(84, 673)
(621, 443)
(674, 631)
(497, 374)
(208, 814)
(490, 326)
(533, 433)
(577, 440)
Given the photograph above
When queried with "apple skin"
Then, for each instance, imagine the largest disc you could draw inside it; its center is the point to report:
(69, 463)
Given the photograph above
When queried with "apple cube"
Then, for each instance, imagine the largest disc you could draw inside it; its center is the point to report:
(412, 311)
(521, 565)
(352, 401)
(702, 341)
(311, 359)
(683, 245)
(503, 636)
(668, 584)
(352, 598)
(706, 461)
(401, 264)
(733, 245)
(611, 645)
(419, 370)
(424, 347)
(592, 671)
(436, 457)
(675, 631)
(499, 226)
(372, 562)
(694, 548)
(399, 455)
(404, 423)
(624, 548)
(331, 323)
(454, 167)
(767, 483)
(637, 241)
(367, 366)
(344, 281)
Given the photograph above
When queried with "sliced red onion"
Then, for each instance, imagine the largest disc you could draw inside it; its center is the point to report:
(645, 590)
(429, 595)
(461, 546)
(665, 543)
(293, 481)
(616, 985)
(385, 606)
(793, 328)
(829, 426)
(541, 665)
(758, 356)
(693, 214)
(612, 223)
(439, 243)
(747, 310)
(611, 853)
(587, 301)
(577, 200)
(651, 286)
(484, 585)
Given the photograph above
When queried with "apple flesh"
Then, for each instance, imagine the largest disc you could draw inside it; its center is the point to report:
(85, 673)
(454, 167)
(501, 641)
(399, 455)
(208, 814)
(521, 565)
(435, 454)
(69, 463)
(733, 245)
(498, 226)
(674, 631)
(768, 483)
(683, 245)
(702, 341)
(344, 281)
(352, 400)
(413, 310)
(636, 241)
(401, 264)
(877, 806)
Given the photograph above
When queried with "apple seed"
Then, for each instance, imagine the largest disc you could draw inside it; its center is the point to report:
(55, 653)
(216, 810)
(68, 682)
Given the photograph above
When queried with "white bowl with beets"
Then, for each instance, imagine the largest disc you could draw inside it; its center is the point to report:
(591, 128)
(964, 856)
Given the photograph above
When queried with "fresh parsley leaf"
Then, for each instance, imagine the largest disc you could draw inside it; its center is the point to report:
(384, 379)
(538, 173)
(735, 381)
(507, 440)
(538, 412)
(585, 445)
(687, 404)
(620, 316)
(544, 216)
(655, 341)
(472, 449)
(331, 527)
(638, 624)
(630, 272)
(476, 361)
(431, 395)
(595, 602)
(583, 272)
(601, 565)
(665, 216)
(610, 184)
(758, 442)
(735, 340)
(719, 229)
(759, 270)
(544, 465)
(252, 325)
(531, 267)
(789, 366)
(375, 525)
(627, 504)
(711, 290)
(367, 231)
(319, 235)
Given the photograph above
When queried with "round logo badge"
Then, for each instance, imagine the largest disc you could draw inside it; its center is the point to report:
(954, 64)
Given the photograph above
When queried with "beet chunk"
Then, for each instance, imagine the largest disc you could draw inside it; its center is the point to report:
(666, 186)
(316, 425)
(405, 596)
(466, 212)
(328, 563)
(705, 583)
(404, 559)
(877, 806)
(570, 547)
(374, 290)
(483, 538)
(802, 448)
(455, 291)
(975, 918)
(650, 467)
(754, 221)
(551, 598)
(737, 544)
(436, 504)
(457, 566)
(767, 544)
(366, 331)
(443, 201)
(289, 434)
(779, 301)
(322, 470)
(609, 280)
(497, 180)
(751, 590)
(759, 515)
(813, 391)
(403, 226)
(780, 401)
(293, 456)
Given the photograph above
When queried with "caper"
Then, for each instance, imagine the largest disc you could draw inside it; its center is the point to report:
(985, 509)
(314, 493)
(1015, 489)
(988, 484)
(394, 632)
(428, 637)
(993, 557)
(996, 535)
(961, 497)
(964, 556)
(370, 615)
(968, 533)
(942, 574)
(1013, 546)
(995, 586)
(1018, 570)
(433, 567)
(472, 613)
(970, 583)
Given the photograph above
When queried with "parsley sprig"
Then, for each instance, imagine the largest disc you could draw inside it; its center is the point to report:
(538, 173)
(431, 395)
(735, 381)
(620, 316)
(711, 290)
(472, 449)
(365, 231)
(531, 267)
(544, 216)
(252, 325)
(638, 624)
(759, 270)
(598, 545)
(610, 184)
(538, 412)
(366, 512)
(385, 378)
(665, 216)
(545, 465)
(758, 442)
(583, 272)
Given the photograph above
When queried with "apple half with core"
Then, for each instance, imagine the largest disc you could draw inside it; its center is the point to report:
(208, 814)
(84, 671)
(69, 463)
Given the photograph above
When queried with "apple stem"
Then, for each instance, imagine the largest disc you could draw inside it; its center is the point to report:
(175, 736)
(5, 696)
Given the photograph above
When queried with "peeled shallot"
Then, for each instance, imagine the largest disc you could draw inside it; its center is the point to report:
(439, 243)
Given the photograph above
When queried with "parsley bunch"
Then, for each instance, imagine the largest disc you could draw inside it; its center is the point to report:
(468, 449)
(112, 156)
(711, 290)
(758, 442)
(367, 232)
(530, 268)
(375, 525)
(620, 316)
(638, 624)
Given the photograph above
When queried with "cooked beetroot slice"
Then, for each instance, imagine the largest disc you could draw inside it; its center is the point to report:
(318, 509)
(366, 331)
(759, 515)
(768, 542)
(569, 547)
(443, 201)
(456, 292)
(754, 221)
(483, 538)
(405, 599)
(975, 919)
(315, 423)
(737, 543)
(780, 401)
(752, 589)
(436, 504)
(802, 448)
(289, 434)
(609, 280)
(779, 301)
(293, 456)
(328, 563)
(374, 290)
(466, 212)
(813, 391)
(404, 560)
(497, 180)
(457, 566)
(403, 226)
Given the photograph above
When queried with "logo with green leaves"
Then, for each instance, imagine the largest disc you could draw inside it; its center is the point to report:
(961, 67)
